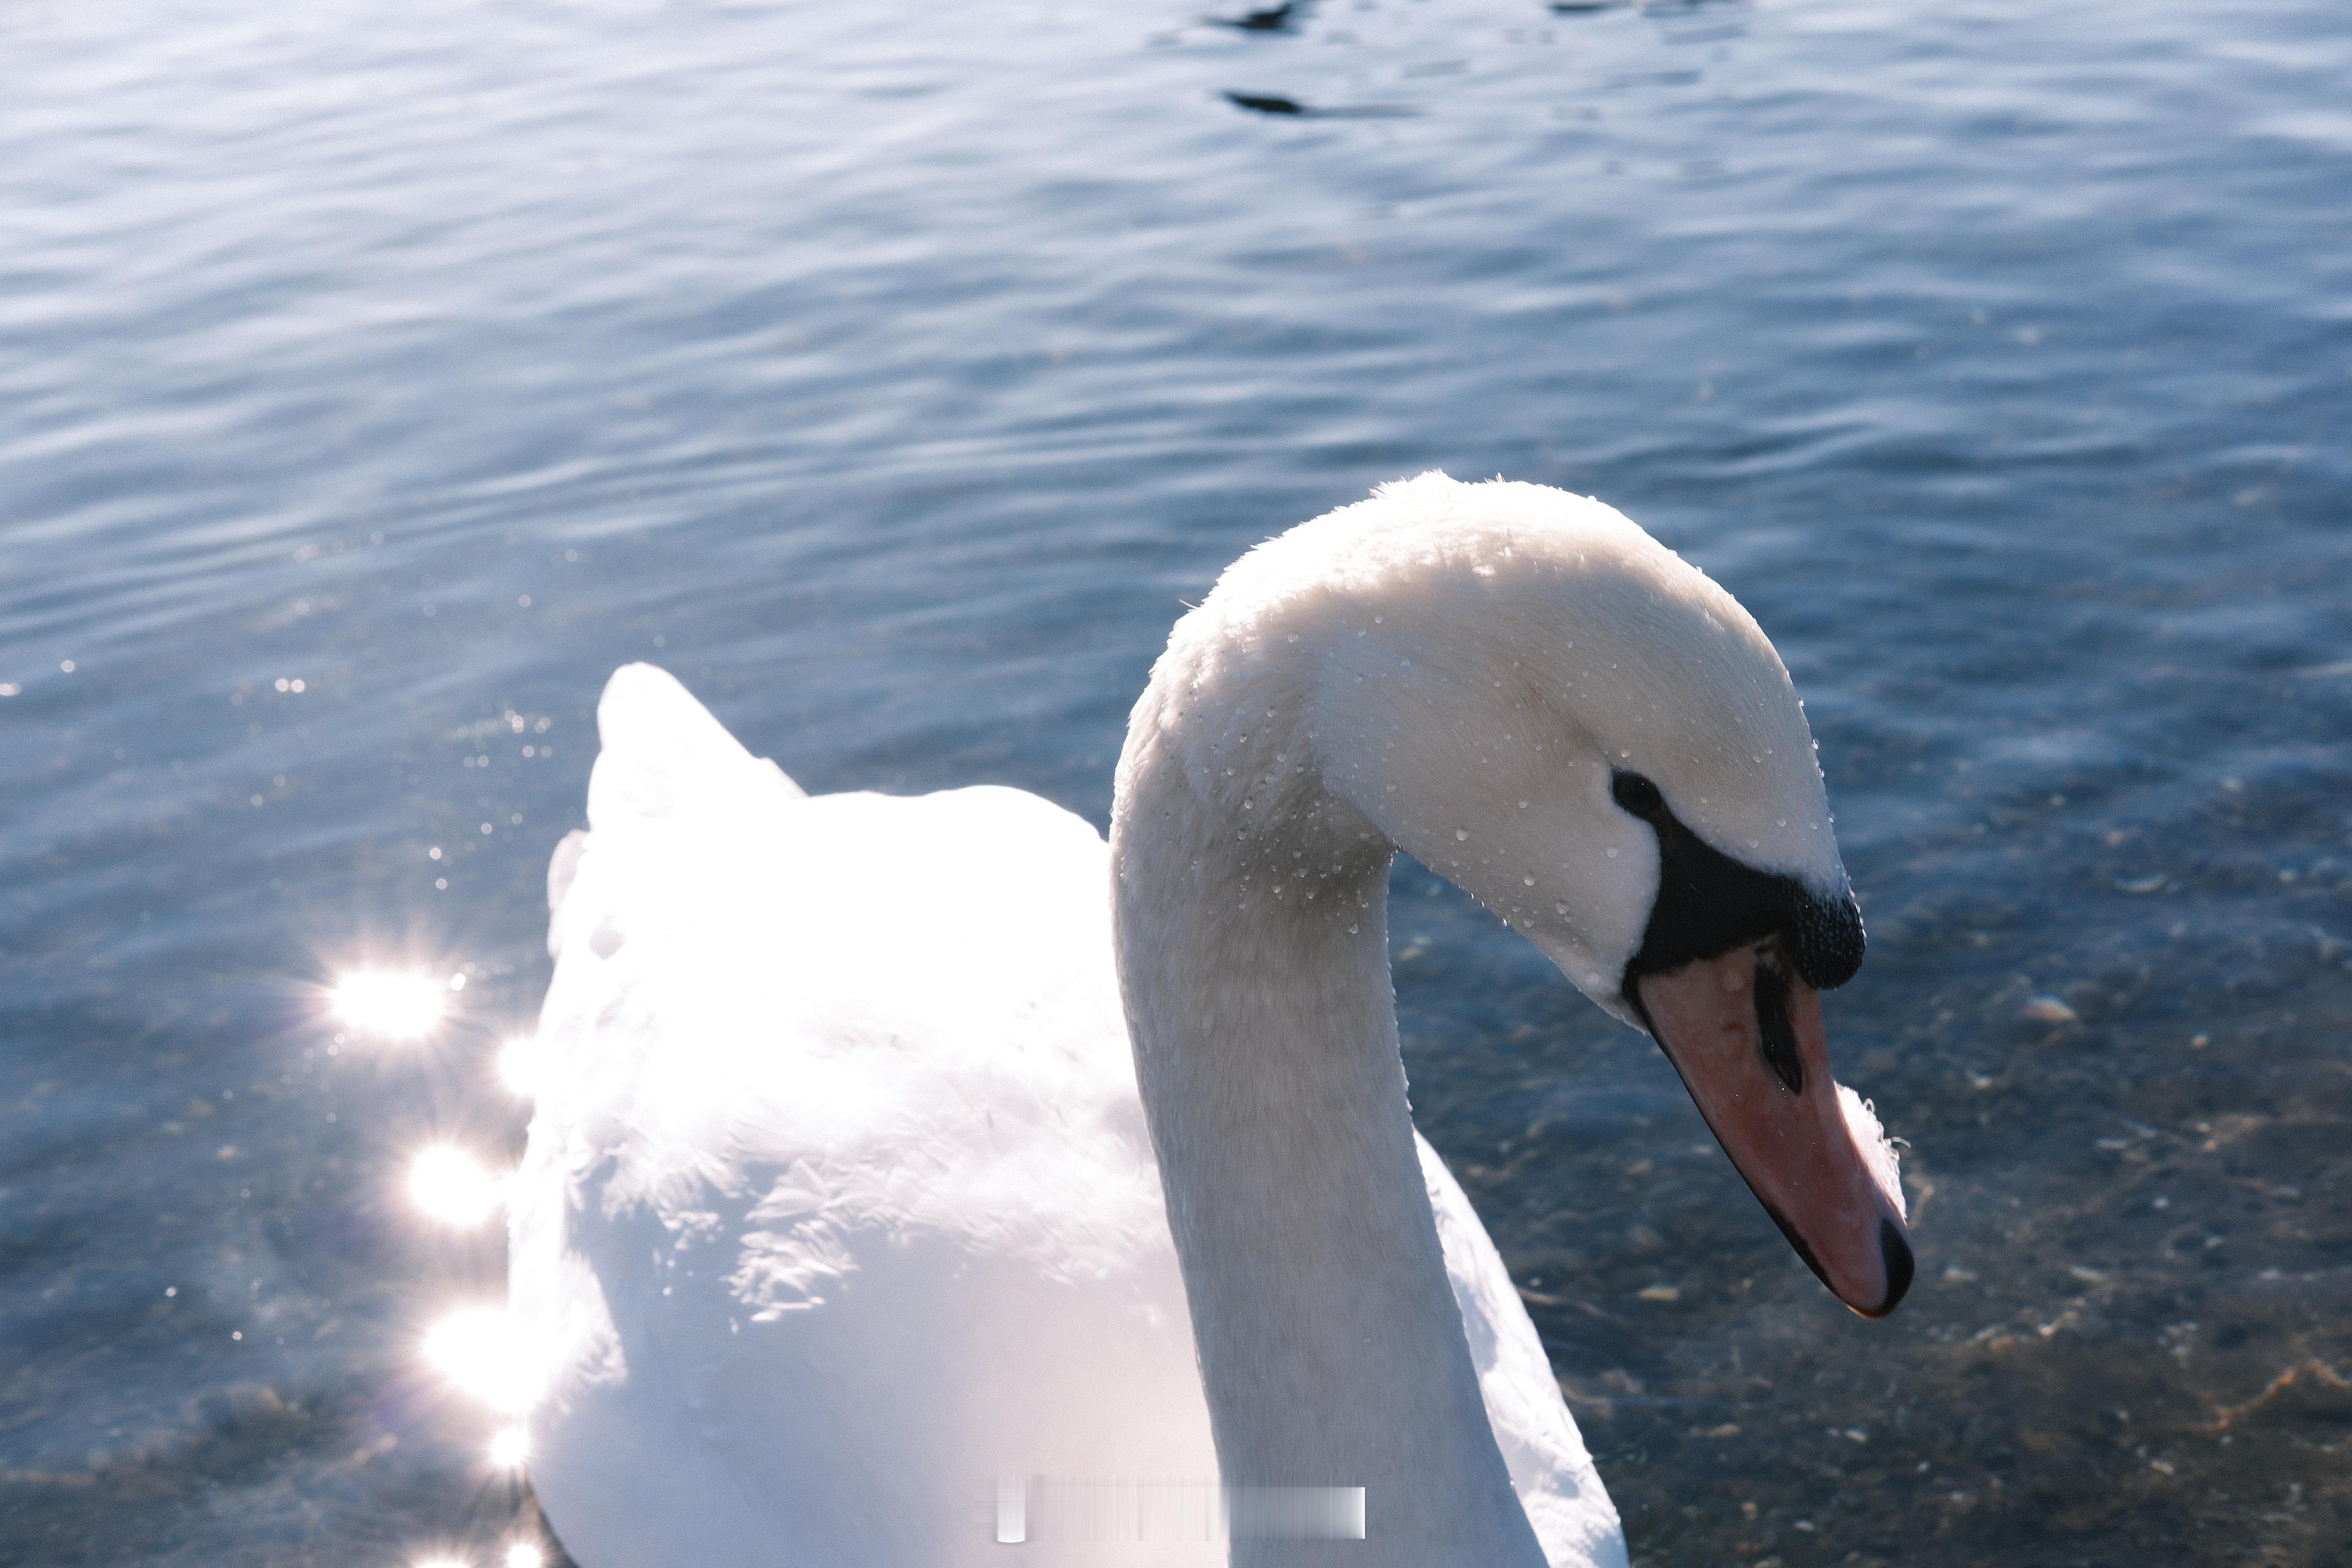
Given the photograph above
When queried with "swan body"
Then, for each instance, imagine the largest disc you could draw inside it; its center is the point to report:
(908, 1177)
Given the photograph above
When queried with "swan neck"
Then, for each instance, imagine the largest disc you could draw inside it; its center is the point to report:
(1252, 953)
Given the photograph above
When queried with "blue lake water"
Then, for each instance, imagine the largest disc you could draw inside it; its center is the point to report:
(374, 378)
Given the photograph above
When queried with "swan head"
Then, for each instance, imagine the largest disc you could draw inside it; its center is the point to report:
(1539, 701)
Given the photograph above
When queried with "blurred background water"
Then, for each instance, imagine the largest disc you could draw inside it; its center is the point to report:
(374, 378)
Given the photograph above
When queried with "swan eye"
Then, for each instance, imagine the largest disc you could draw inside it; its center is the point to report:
(1636, 794)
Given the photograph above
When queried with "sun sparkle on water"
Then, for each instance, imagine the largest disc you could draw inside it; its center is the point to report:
(478, 1348)
(510, 1449)
(453, 1186)
(518, 1065)
(398, 1004)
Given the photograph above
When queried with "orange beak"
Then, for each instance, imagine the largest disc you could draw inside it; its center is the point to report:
(1745, 1033)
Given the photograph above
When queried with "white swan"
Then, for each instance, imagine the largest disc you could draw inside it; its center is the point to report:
(840, 1240)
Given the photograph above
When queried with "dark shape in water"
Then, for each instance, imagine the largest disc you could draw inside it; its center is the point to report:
(1274, 103)
(1266, 104)
(1593, 7)
(1271, 19)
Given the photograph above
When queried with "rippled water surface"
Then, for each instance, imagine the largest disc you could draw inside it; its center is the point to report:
(374, 378)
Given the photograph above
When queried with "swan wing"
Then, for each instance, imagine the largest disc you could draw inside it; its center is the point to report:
(1550, 1468)
(838, 1209)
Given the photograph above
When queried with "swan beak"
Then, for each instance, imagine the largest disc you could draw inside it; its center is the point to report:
(1745, 1035)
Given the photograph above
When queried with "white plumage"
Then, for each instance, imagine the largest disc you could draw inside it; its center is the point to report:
(839, 1206)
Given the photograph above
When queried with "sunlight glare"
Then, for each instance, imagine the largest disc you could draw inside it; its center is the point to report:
(518, 1065)
(523, 1554)
(394, 1004)
(453, 1186)
(480, 1349)
(510, 1449)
